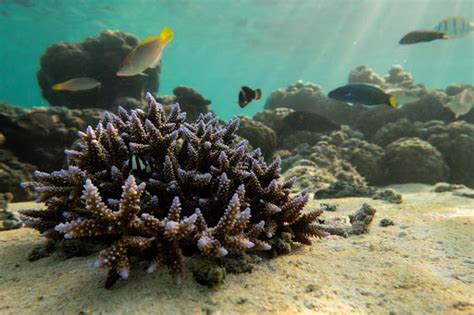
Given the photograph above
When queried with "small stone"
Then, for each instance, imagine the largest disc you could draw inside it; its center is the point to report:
(328, 207)
(209, 275)
(11, 224)
(310, 288)
(469, 261)
(402, 234)
(241, 300)
(386, 222)
(462, 305)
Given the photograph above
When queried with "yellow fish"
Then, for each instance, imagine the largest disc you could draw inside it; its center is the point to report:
(147, 54)
(76, 84)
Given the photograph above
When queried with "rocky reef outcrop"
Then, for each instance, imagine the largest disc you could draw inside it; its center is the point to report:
(190, 101)
(98, 57)
(454, 141)
(369, 131)
(412, 160)
(300, 96)
(12, 173)
(38, 136)
(8, 220)
(259, 135)
(159, 188)
(365, 74)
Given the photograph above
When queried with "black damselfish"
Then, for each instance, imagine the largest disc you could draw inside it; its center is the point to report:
(362, 93)
(246, 95)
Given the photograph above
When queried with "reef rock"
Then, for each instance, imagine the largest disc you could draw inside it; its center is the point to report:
(412, 160)
(359, 223)
(191, 101)
(365, 157)
(365, 74)
(455, 141)
(97, 57)
(299, 96)
(259, 135)
(398, 76)
(319, 166)
(8, 220)
(197, 191)
(13, 172)
(39, 135)
(343, 189)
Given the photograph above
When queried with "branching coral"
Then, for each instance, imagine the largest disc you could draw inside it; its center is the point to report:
(196, 190)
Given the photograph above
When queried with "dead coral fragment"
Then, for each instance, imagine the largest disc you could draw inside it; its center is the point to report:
(198, 191)
(360, 222)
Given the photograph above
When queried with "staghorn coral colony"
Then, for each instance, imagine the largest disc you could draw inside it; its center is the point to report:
(196, 190)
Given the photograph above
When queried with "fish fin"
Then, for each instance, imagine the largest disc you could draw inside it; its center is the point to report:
(143, 74)
(258, 94)
(166, 34)
(149, 39)
(392, 102)
(57, 87)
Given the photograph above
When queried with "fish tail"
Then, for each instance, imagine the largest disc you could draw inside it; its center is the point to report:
(166, 34)
(392, 101)
(57, 87)
(471, 26)
(258, 94)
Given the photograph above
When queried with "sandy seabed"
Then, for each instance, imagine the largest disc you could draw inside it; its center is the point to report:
(424, 264)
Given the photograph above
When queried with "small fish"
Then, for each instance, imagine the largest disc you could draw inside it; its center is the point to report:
(455, 26)
(461, 103)
(362, 93)
(422, 36)
(76, 84)
(246, 95)
(40, 119)
(310, 122)
(137, 165)
(147, 54)
(405, 96)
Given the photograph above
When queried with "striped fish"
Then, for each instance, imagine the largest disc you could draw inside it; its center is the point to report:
(455, 26)
(138, 166)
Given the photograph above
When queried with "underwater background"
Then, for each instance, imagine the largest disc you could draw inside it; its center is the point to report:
(220, 45)
(250, 157)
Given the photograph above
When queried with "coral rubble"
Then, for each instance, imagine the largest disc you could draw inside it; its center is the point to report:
(161, 188)
(8, 220)
(343, 189)
(359, 223)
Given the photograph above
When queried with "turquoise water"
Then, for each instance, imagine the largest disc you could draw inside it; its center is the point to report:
(220, 45)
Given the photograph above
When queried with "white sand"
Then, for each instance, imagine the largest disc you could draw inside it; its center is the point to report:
(423, 264)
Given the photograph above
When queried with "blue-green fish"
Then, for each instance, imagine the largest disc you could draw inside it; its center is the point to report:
(455, 26)
(362, 93)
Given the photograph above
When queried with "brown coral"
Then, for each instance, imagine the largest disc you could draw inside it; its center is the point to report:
(201, 192)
